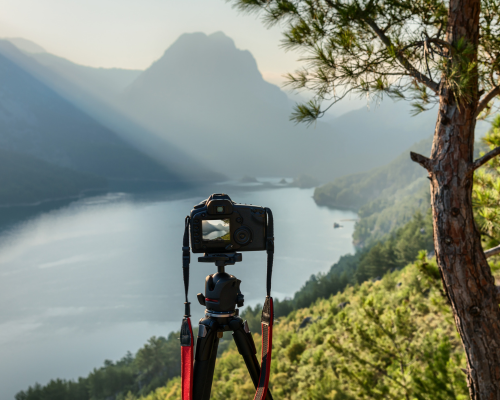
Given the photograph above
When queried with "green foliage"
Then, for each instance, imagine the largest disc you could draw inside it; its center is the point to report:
(394, 340)
(373, 48)
(486, 191)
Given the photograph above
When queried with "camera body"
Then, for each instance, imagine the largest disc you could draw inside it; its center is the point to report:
(219, 225)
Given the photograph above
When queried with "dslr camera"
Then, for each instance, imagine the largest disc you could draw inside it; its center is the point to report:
(219, 225)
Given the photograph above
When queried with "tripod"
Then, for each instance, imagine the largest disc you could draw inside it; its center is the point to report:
(222, 294)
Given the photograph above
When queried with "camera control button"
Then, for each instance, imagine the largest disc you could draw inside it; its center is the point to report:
(200, 205)
(242, 236)
(239, 220)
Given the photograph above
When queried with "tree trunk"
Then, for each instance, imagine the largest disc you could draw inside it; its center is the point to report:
(465, 272)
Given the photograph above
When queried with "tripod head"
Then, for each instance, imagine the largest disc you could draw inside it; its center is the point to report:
(222, 290)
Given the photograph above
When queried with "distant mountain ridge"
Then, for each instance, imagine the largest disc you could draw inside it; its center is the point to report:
(208, 98)
(206, 94)
(174, 160)
(36, 121)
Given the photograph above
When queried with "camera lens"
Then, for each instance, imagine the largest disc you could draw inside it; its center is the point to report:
(242, 236)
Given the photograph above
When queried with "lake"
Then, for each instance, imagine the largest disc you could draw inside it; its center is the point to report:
(97, 277)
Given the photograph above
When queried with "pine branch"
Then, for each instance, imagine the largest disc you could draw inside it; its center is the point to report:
(420, 159)
(484, 159)
(406, 64)
(492, 252)
(483, 103)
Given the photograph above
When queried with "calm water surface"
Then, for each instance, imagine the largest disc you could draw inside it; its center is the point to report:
(98, 277)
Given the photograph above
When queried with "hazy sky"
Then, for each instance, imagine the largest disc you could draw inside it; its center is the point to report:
(134, 33)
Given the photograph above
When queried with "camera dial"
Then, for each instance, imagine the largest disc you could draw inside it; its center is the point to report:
(242, 236)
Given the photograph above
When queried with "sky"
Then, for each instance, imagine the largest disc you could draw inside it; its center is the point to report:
(133, 33)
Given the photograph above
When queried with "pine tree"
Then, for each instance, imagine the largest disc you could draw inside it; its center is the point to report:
(430, 52)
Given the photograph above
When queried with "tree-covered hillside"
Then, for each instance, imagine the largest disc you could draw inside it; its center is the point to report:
(392, 338)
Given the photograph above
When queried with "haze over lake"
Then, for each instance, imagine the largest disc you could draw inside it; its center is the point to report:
(97, 278)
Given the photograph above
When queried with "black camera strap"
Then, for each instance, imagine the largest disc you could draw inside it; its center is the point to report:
(187, 342)
(269, 249)
(186, 260)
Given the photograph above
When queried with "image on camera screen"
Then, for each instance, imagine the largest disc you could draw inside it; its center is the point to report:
(215, 230)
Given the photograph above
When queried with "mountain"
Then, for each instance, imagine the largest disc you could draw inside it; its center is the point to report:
(26, 45)
(103, 83)
(27, 180)
(209, 96)
(36, 121)
(85, 106)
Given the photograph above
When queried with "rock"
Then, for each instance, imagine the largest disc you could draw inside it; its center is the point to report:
(248, 179)
(343, 305)
(306, 321)
(305, 182)
(283, 182)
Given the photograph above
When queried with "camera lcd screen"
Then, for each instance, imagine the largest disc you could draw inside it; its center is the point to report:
(215, 230)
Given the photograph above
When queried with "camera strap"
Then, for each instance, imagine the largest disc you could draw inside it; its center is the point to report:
(267, 317)
(187, 342)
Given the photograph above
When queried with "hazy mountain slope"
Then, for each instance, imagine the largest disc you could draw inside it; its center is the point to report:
(385, 198)
(27, 180)
(207, 94)
(208, 97)
(37, 121)
(377, 134)
(178, 162)
(354, 191)
(102, 82)
(26, 45)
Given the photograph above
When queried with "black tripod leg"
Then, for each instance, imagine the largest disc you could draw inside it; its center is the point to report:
(204, 361)
(246, 347)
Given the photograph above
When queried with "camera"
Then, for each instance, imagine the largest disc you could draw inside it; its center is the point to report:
(219, 225)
